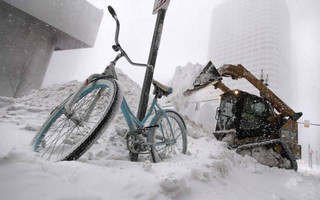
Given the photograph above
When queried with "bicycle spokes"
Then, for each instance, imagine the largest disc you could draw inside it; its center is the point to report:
(68, 130)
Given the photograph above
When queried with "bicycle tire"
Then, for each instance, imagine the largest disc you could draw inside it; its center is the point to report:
(62, 138)
(162, 151)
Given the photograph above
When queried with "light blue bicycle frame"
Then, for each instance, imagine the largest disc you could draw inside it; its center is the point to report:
(134, 123)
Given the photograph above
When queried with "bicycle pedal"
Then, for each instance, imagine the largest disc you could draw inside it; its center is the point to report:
(144, 129)
(150, 127)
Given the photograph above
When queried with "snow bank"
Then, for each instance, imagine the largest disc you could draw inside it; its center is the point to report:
(195, 108)
(208, 171)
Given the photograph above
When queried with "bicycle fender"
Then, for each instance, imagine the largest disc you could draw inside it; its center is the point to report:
(74, 97)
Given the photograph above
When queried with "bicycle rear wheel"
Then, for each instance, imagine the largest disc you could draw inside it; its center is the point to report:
(65, 137)
(170, 138)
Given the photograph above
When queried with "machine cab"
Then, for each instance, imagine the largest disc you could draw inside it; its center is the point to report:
(246, 113)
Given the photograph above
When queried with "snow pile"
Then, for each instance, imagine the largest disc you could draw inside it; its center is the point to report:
(199, 107)
(182, 80)
(39, 103)
(208, 171)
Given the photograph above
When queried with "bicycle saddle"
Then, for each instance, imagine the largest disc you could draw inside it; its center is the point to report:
(160, 89)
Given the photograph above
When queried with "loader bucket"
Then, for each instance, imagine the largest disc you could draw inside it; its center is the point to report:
(209, 75)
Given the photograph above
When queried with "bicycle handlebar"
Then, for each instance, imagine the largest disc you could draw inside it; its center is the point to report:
(123, 53)
(114, 15)
(112, 12)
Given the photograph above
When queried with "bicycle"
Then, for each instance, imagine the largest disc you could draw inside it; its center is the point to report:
(76, 124)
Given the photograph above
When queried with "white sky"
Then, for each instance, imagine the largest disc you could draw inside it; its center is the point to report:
(184, 39)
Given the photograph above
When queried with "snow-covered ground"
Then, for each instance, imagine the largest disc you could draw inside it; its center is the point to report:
(208, 171)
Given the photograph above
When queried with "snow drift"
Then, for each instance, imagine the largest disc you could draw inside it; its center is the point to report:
(208, 171)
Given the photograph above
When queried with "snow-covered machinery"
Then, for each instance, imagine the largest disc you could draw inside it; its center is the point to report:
(263, 127)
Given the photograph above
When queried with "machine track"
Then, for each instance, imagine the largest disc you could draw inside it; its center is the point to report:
(272, 153)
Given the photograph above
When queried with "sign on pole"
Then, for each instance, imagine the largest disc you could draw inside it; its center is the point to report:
(306, 123)
(160, 4)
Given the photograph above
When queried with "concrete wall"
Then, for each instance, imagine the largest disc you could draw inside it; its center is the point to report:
(76, 18)
(27, 41)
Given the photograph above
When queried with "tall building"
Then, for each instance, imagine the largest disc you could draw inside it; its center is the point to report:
(254, 33)
(31, 30)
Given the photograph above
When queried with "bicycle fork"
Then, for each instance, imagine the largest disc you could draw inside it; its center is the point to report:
(68, 112)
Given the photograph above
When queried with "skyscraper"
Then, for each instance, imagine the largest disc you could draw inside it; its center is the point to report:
(254, 33)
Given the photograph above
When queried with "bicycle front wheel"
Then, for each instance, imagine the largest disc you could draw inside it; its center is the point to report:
(169, 139)
(67, 137)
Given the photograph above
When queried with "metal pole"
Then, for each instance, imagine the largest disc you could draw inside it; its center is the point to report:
(310, 152)
(311, 161)
(317, 158)
(144, 97)
(309, 155)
